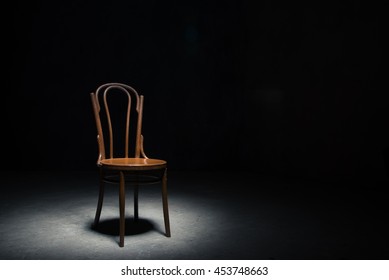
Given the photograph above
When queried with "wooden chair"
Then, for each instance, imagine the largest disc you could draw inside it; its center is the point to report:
(124, 168)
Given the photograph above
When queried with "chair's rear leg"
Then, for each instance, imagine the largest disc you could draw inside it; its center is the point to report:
(136, 193)
(100, 201)
(121, 207)
(165, 204)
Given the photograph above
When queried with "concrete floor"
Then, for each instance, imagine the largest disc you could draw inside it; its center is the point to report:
(213, 216)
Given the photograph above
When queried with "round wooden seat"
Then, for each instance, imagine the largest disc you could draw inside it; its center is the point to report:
(133, 163)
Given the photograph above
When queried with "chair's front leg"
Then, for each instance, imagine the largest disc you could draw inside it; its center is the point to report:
(122, 206)
(165, 204)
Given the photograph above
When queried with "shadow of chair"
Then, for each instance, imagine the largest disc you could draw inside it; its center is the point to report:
(118, 110)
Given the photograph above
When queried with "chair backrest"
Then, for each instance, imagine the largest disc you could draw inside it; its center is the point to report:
(107, 101)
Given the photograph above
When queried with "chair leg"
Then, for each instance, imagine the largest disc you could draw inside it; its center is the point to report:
(136, 192)
(165, 204)
(100, 201)
(121, 207)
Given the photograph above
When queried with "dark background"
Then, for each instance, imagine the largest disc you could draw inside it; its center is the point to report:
(281, 89)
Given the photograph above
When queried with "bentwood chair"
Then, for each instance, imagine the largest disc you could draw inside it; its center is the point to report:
(130, 165)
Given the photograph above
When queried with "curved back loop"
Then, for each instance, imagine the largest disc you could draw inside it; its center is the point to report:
(100, 105)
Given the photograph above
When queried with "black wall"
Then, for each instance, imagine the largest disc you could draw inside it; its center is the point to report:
(286, 90)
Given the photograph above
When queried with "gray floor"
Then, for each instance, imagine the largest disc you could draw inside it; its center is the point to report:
(213, 216)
